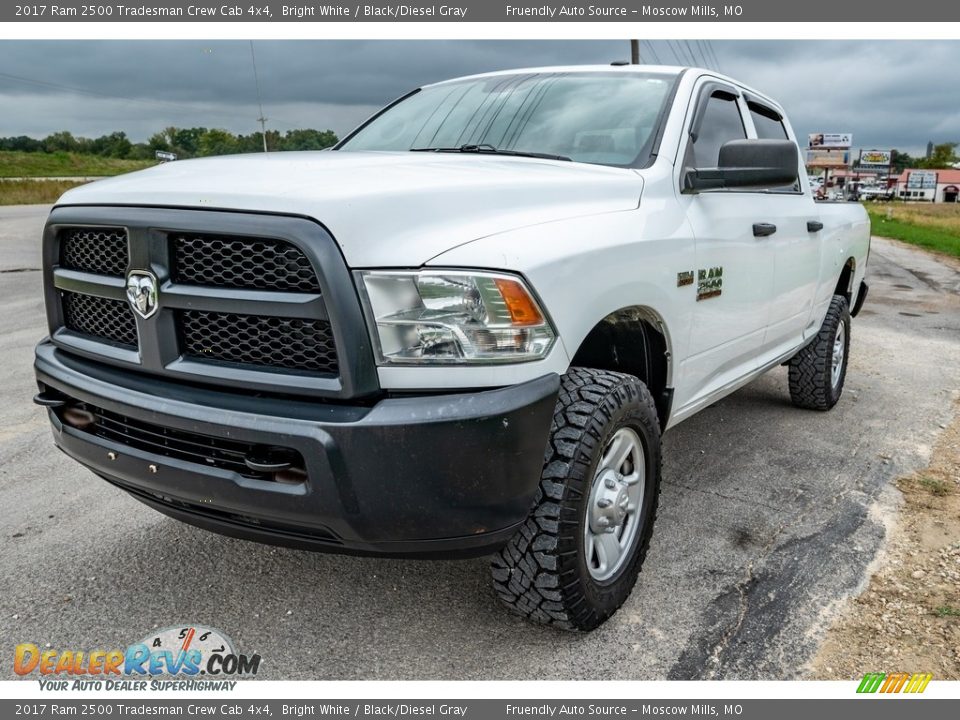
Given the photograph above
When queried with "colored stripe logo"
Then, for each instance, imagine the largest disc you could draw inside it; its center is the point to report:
(900, 682)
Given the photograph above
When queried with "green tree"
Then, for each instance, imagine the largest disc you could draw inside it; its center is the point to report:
(217, 142)
(900, 161)
(944, 156)
(62, 141)
(141, 151)
(21, 143)
(115, 145)
(159, 141)
(308, 139)
(185, 142)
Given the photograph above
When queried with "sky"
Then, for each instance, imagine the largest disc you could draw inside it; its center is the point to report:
(889, 94)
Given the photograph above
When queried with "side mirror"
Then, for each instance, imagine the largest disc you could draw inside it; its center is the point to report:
(748, 164)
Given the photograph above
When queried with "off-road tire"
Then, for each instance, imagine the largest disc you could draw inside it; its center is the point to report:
(541, 574)
(811, 383)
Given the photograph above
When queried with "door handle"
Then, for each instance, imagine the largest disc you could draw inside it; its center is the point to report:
(814, 226)
(763, 229)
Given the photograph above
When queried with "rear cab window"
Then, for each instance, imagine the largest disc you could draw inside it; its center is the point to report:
(768, 124)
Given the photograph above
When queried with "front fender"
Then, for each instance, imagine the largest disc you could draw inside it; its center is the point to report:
(586, 268)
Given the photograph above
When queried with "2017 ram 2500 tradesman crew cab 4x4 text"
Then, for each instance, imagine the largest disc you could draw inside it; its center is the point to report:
(460, 332)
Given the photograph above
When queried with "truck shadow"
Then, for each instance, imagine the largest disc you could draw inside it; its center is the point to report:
(316, 616)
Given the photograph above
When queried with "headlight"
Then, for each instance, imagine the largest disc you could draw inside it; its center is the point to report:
(437, 316)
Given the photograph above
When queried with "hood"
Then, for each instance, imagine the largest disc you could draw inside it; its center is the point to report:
(384, 209)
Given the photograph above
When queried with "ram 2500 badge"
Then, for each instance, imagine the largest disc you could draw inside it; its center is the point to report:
(460, 332)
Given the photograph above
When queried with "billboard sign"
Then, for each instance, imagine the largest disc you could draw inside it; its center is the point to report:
(830, 140)
(922, 180)
(875, 157)
(828, 158)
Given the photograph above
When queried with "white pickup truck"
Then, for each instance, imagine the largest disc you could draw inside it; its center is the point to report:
(460, 332)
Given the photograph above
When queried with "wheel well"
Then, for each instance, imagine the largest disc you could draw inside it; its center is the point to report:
(845, 281)
(631, 340)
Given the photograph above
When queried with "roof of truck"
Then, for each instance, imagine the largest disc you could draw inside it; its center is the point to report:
(666, 70)
(662, 70)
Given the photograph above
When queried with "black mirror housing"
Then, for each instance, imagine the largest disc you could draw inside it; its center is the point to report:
(748, 164)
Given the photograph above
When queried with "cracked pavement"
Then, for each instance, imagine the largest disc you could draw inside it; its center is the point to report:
(769, 517)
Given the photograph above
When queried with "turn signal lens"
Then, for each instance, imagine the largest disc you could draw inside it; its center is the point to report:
(523, 310)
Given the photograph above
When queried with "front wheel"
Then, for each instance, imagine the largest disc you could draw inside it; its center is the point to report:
(575, 560)
(818, 371)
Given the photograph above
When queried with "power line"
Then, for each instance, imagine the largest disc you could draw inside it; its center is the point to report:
(713, 53)
(653, 52)
(676, 54)
(713, 56)
(701, 46)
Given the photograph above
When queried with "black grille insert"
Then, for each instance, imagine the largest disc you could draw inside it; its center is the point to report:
(272, 342)
(241, 262)
(206, 450)
(103, 251)
(101, 317)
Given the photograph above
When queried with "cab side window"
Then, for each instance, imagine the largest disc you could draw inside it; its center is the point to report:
(721, 123)
(768, 123)
(769, 126)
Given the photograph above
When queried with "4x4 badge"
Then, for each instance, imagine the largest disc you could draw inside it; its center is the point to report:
(142, 292)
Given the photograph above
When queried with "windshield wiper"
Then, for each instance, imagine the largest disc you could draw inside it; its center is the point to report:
(487, 148)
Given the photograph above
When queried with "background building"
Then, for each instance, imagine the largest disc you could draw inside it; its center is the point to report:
(929, 185)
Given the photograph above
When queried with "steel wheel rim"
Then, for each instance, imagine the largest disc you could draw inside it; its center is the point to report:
(613, 515)
(839, 350)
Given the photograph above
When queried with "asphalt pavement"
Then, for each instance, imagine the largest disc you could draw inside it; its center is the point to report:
(769, 518)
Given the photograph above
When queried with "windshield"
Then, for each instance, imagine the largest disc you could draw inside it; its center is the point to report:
(604, 118)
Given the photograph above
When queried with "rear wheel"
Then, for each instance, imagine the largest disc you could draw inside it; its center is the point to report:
(818, 371)
(575, 560)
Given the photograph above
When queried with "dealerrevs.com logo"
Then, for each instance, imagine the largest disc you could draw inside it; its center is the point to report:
(184, 657)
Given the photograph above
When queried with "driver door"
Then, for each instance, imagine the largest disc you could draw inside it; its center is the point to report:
(734, 273)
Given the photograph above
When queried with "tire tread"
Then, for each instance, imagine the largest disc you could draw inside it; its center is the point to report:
(809, 369)
(535, 575)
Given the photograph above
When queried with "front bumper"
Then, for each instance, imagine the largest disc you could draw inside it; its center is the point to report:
(441, 475)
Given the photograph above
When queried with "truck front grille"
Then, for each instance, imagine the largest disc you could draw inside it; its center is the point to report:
(197, 448)
(253, 302)
(103, 251)
(99, 317)
(259, 340)
(238, 262)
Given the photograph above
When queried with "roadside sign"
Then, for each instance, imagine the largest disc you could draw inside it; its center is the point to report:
(875, 157)
(922, 180)
(830, 140)
(164, 156)
(828, 158)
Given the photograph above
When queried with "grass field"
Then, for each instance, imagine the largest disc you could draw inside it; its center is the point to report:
(33, 192)
(936, 227)
(63, 164)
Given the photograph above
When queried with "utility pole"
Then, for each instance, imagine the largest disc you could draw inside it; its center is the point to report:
(256, 79)
(634, 52)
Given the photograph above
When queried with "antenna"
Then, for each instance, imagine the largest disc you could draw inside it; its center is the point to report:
(256, 79)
